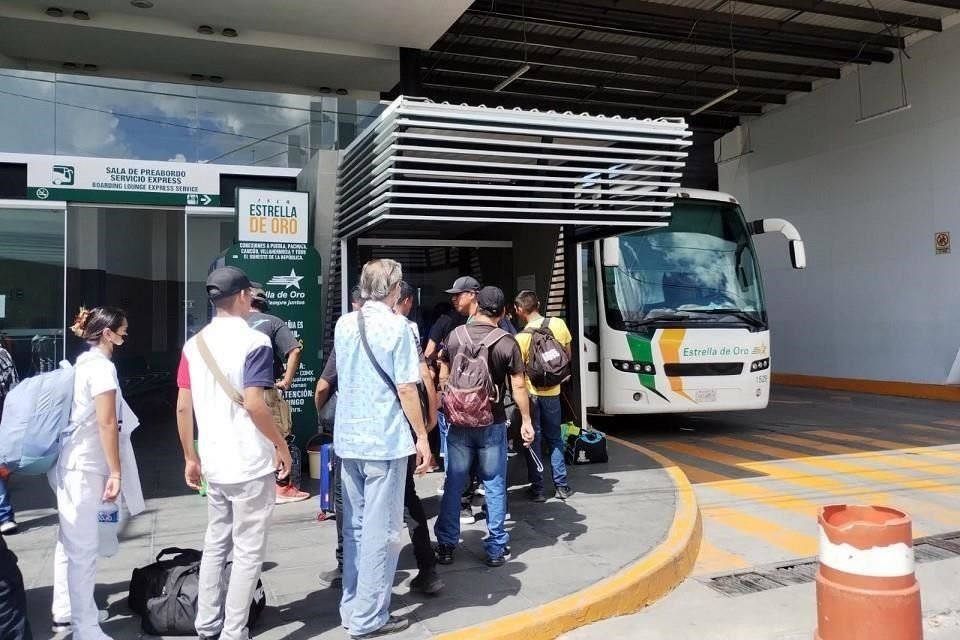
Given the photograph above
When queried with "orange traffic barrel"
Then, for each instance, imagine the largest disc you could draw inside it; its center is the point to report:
(866, 587)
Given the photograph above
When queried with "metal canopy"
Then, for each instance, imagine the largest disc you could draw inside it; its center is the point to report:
(456, 164)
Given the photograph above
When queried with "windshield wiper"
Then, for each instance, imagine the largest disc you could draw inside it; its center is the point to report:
(663, 317)
(737, 313)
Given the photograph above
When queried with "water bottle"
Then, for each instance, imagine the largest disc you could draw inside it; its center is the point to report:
(108, 523)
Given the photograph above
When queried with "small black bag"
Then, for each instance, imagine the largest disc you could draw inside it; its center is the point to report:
(586, 447)
(165, 594)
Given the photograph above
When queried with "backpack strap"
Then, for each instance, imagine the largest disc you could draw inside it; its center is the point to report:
(214, 368)
(373, 360)
(493, 338)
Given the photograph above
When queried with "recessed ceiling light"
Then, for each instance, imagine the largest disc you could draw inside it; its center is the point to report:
(205, 29)
(81, 15)
(197, 77)
(142, 4)
(325, 90)
(69, 65)
(217, 79)
(229, 33)
(54, 12)
(342, 92)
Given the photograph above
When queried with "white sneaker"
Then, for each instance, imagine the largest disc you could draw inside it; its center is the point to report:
(9, 527)
(67, 627)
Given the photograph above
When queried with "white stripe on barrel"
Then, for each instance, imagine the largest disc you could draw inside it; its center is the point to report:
(891, 561)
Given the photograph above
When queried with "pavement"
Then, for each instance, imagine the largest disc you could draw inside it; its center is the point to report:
(622, 511)
(760, 478)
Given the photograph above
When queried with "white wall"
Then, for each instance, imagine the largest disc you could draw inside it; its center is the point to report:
(875, 301)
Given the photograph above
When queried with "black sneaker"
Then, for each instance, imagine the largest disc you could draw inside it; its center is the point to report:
(427, 583)
(332, 579)
(395, 624)
(536, 495)
(500, 560)
(564, 492)
(445, 553)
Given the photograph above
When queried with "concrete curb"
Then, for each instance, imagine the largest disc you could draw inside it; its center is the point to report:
(629, 590)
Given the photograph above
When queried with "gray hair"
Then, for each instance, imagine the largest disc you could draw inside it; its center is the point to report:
(379, 278)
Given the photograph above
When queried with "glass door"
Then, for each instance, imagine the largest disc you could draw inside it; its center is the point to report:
(208, 233)
(32, 283)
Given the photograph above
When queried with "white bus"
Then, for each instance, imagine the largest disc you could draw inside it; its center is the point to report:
(673, 317)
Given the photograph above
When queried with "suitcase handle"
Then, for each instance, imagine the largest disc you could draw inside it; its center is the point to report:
(173, 550)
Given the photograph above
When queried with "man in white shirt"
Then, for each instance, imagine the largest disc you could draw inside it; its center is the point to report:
(222, 376)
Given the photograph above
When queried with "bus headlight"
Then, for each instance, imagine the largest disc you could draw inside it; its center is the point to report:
(632, 366)
(760, 365)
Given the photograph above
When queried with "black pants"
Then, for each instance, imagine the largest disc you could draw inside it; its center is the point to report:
(338, 509)
(13, 599)
(420, 529)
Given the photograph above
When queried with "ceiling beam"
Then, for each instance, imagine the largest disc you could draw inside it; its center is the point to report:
(702, 122)
(648, 71)
(588, 96)
(631, 51)
(854, 12)
(677, 23)
(623, 13)
(629, 85)
(946, 4)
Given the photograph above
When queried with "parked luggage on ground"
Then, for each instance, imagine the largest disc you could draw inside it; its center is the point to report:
(164, 593)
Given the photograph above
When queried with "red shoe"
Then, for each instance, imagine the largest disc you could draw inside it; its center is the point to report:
(289, 493)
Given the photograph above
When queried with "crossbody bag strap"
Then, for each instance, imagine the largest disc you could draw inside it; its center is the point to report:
(221, 379)
(373, 360)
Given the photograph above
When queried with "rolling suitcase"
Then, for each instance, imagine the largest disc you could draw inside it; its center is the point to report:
(328, 460)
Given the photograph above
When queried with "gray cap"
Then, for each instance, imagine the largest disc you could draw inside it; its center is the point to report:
(225, 282)
(463, 285)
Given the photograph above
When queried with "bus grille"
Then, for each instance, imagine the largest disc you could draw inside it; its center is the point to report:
(676, 370)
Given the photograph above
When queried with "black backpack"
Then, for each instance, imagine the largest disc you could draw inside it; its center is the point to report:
(548, 363)
(164, 593)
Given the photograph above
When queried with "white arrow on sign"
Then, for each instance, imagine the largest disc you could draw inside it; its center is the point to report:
(205, 199)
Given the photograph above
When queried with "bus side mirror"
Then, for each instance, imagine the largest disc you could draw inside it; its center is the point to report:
(798, 255)
(611, 252)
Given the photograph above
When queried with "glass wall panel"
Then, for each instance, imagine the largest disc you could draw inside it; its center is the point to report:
(31, 287)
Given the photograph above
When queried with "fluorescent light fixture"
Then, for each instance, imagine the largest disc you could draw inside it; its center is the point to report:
(513, 76)
(888, 112)
(716, 100)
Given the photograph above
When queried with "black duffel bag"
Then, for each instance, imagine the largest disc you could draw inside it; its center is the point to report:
(165, 593)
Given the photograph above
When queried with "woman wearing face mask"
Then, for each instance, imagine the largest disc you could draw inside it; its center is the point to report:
(88, 472)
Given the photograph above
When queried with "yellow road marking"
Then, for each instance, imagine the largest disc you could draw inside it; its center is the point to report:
(713, 559)
(704, 453)
(907, 462)
(825, 447)
(696, 475)
(757, 447)
(798, 544)
(940, 431)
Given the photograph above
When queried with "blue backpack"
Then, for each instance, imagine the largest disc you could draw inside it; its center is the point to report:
(36, 416)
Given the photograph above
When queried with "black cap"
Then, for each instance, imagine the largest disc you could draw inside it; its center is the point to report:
(259, 295)
(491, 300)
(463, 285)
(225, 282)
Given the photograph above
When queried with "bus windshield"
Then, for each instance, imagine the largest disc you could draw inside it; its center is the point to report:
(700, 269)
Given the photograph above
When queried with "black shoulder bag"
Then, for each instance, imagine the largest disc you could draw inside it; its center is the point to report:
(421, 388)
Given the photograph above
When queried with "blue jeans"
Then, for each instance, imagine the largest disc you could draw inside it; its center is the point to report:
(546, 426)
(372, 527)
(488, 447)
(6, 509)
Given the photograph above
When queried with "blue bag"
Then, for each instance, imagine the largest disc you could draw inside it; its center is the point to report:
(36, 418)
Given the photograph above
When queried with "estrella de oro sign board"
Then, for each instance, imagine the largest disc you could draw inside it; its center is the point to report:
(273, 216)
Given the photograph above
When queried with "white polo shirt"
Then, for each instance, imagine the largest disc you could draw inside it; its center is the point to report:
(232, 449)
